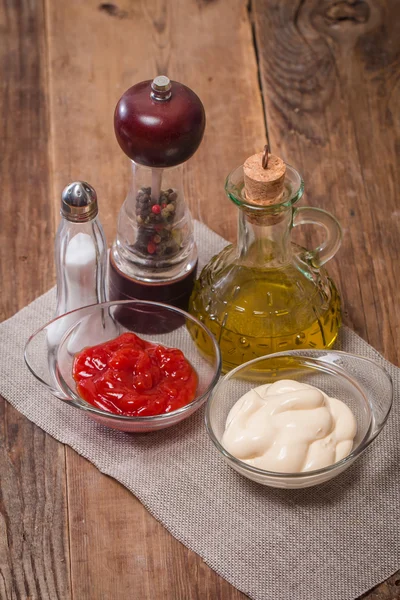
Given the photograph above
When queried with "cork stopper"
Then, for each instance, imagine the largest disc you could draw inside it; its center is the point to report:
(264, 178)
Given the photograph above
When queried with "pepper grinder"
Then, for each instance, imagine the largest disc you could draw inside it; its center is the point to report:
(159, 125)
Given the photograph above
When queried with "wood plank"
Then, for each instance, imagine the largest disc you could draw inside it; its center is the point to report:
(330, 75)
(27, 212)
(34, 554)
(329, 81)
(96, 52)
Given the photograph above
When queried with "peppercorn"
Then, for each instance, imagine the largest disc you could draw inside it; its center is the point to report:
(155, 221)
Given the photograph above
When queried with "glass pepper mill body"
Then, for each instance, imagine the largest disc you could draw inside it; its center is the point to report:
(154, 241)
(159, 124)
(266, 294)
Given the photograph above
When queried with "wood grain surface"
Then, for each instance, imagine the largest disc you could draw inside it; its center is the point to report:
(328, 73)
(330, 83)
(34, 553)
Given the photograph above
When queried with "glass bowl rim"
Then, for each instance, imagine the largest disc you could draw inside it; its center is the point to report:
(364, 443)
(79, 402)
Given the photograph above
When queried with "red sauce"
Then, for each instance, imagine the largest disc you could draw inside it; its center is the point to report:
(129, 376)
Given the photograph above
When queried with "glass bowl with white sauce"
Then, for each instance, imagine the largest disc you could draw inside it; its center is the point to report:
(264, 429)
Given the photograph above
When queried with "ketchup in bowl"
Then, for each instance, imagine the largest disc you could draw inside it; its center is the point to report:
(132, 377)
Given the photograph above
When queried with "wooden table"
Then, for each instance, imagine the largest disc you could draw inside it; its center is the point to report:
(323, 77)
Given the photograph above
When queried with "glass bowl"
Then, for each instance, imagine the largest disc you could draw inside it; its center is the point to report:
(50, 352)
(359, 382)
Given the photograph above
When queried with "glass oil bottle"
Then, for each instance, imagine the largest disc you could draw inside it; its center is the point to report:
(266, 294)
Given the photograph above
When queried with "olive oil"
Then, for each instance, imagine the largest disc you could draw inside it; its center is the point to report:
(253, 312)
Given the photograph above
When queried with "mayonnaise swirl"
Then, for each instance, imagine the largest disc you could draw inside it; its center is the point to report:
(289, 427)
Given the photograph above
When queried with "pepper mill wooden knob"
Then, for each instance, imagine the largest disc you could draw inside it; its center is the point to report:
(159, 123)
(264, 178)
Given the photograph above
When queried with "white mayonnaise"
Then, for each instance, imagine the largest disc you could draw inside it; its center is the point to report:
(289, 427)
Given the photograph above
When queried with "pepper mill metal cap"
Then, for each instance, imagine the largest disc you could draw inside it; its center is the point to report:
(161, 88)
(79, 202)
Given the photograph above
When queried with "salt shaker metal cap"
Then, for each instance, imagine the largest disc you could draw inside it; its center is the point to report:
(79, 202)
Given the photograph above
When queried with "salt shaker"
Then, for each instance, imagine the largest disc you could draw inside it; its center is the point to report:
(80, 250)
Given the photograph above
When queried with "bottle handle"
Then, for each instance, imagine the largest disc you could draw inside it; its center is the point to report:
(308, 215)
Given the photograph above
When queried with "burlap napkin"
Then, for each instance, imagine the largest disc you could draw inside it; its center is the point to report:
(331, 542)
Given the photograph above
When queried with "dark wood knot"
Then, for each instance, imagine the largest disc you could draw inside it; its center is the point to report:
(112, 10)
(356, 11)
